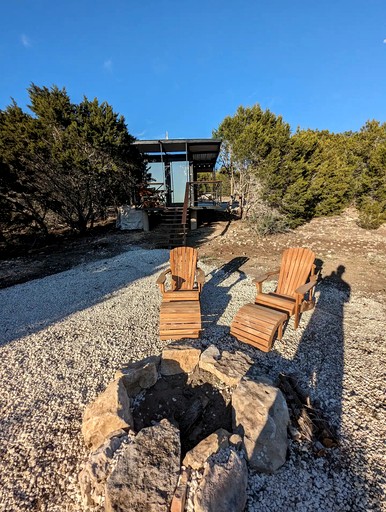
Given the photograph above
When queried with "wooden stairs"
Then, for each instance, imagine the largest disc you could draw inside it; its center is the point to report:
(173, 228)
(174, 223)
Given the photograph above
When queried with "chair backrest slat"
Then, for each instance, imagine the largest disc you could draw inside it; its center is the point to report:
(183, 264)
(296, 266)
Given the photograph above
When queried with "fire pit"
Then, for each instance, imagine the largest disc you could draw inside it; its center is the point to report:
(178, 431)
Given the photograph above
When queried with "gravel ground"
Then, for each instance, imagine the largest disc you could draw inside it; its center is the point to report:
(63, 337)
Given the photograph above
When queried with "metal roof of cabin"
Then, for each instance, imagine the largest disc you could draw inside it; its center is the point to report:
(203, 150)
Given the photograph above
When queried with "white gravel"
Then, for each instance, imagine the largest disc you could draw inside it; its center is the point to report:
(63, 337)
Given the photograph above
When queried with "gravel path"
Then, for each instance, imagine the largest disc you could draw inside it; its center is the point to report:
(63, 337)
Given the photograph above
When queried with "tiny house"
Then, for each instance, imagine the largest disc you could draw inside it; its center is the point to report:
(174, 166)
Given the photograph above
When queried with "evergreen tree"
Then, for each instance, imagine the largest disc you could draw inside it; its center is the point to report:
(311, 173)
(369, 148)
(255, 142)
(71, 160)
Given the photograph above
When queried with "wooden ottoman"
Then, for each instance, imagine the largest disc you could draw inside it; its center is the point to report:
(257, 325)
(180, 320)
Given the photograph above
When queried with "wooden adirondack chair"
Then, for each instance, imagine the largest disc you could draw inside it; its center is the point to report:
(180, 312)
(258, 323)
(296, 279)
(187, 279)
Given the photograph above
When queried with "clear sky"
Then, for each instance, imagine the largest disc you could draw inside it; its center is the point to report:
(182, 66)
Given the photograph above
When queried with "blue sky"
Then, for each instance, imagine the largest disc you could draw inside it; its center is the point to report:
(182, 66)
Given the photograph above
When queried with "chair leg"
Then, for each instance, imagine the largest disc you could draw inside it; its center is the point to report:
(297, 318)
(280, 332)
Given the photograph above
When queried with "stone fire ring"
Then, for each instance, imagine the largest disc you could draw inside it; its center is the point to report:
(130, 467)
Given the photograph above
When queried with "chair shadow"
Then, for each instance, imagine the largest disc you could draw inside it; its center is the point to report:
(216, 295)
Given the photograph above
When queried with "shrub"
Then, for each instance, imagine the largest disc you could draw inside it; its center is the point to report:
(269, 222)
(372, 214)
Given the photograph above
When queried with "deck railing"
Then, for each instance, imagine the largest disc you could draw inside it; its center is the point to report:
(201, 193)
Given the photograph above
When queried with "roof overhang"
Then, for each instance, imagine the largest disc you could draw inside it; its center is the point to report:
(202, 151)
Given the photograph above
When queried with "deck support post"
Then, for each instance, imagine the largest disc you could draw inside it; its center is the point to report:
(193, 219)
(145, 220)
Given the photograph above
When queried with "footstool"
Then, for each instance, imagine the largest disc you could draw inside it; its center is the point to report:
(180, 320)
(257, 325)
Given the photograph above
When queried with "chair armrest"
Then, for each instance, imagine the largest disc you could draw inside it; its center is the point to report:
(259, 279)
(200, 276)
(307, 287)
(162, 277)
(264, 277)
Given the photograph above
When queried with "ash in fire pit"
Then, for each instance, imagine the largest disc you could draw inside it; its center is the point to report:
(194, 403)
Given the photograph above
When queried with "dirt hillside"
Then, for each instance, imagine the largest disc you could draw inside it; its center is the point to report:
(336, 241)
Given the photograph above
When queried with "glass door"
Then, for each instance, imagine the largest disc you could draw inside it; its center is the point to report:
(180, 175)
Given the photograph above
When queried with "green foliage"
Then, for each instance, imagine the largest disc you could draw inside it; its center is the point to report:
(224, 177)
(318, 173)
(71, 161)
(254, 137)
(204, 188)
(311, 173)
(372, 214)
(254, 145)
(370, 149)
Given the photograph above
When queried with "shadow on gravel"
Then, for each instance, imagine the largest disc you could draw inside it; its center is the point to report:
(216, 296)
(30, 307)
(321, 352)
(318, 365)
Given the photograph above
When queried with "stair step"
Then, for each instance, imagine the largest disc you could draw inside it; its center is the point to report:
(172, 229)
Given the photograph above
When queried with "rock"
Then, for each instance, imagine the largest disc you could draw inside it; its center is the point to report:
(179, 358)
(108, 413)
(93, 476)
(294, 433)
(196, 457)
(223, 486)
(236, 440)
(260, 414)
(146, 474)
(209, 355)
(139, 375)
(328, 443)
(229, 368)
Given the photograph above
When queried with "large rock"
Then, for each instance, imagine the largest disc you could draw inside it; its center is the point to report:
(223, 486)
(108, 413)
(94, 474)
(228, 368)
(139, 375)
(260, 414)
(179, 358)
(197, 456)
(146, 473)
